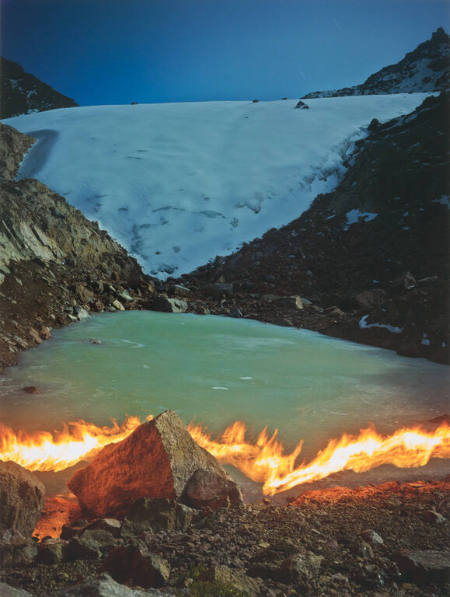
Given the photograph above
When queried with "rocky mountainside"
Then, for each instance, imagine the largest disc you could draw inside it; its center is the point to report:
(427, 68)
(367, 262)
(55, 265)
(21, 92)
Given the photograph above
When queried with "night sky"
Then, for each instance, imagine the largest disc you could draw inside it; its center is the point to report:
(118, 51)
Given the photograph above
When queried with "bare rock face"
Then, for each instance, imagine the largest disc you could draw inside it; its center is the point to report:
(13, 146)
(21, 498)
(155, 461)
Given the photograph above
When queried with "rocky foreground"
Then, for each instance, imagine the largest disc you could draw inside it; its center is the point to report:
(157, 515)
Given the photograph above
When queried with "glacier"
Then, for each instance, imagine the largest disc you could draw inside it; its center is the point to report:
(179, 183)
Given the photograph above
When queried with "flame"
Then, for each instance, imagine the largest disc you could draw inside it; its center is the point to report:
(263, 461)
(78, 440)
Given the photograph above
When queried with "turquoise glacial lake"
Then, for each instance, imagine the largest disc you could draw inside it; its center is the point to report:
(215, 370)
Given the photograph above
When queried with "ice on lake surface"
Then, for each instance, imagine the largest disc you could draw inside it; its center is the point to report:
(215, 370)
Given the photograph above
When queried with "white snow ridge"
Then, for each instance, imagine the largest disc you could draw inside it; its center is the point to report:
(178, 184)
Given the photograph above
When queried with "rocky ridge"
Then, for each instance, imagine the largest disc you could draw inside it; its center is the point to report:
(367, 262)
(57, 267)
(427, 68)
(22, 93)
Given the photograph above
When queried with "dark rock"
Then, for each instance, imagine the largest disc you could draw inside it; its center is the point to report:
(162, 302)
(137, 566)
(264, 570)
(434, 517)
(92, 544)
(406, 281)
(373, 537)
(8, 591)
(30, 389)
(159, 515)
(112, 525)
(299, 568)
(22, 498)
(105, 586)
(424, 566)
(233, 578)
(207, 489)
(374, 125)
(219, 289)
(51, 553)
(371, 298)
(16, 550)
(301, 105)
(155, 461)
(365, 550)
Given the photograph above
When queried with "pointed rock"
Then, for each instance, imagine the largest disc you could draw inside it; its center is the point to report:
(155, 461)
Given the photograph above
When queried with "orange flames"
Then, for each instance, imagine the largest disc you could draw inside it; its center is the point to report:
(263, 461)
(45, 451)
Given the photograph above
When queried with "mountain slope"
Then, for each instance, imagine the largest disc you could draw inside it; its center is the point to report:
(178, 184)
(427, 68)
(55, 265)
(22, 93)
(371, 257)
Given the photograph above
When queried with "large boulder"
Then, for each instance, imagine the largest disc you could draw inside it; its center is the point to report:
(163, 303)
(156, 461)
(21, 498)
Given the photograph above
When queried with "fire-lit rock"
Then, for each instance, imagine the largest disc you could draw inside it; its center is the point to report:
(22, 498)
(155, 461)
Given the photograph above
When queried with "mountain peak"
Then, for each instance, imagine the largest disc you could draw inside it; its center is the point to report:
(22, 92)
(426, 68)
(439, 35)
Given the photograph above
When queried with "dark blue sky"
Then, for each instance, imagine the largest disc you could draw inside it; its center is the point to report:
(117, 51)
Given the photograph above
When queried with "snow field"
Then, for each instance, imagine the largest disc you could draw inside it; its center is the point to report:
(178, 184)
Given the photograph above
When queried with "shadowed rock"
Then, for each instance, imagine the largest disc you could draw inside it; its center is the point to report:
(206, 489)
(104, 586)
(155, 461)
(137, 566)
(22, 498)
